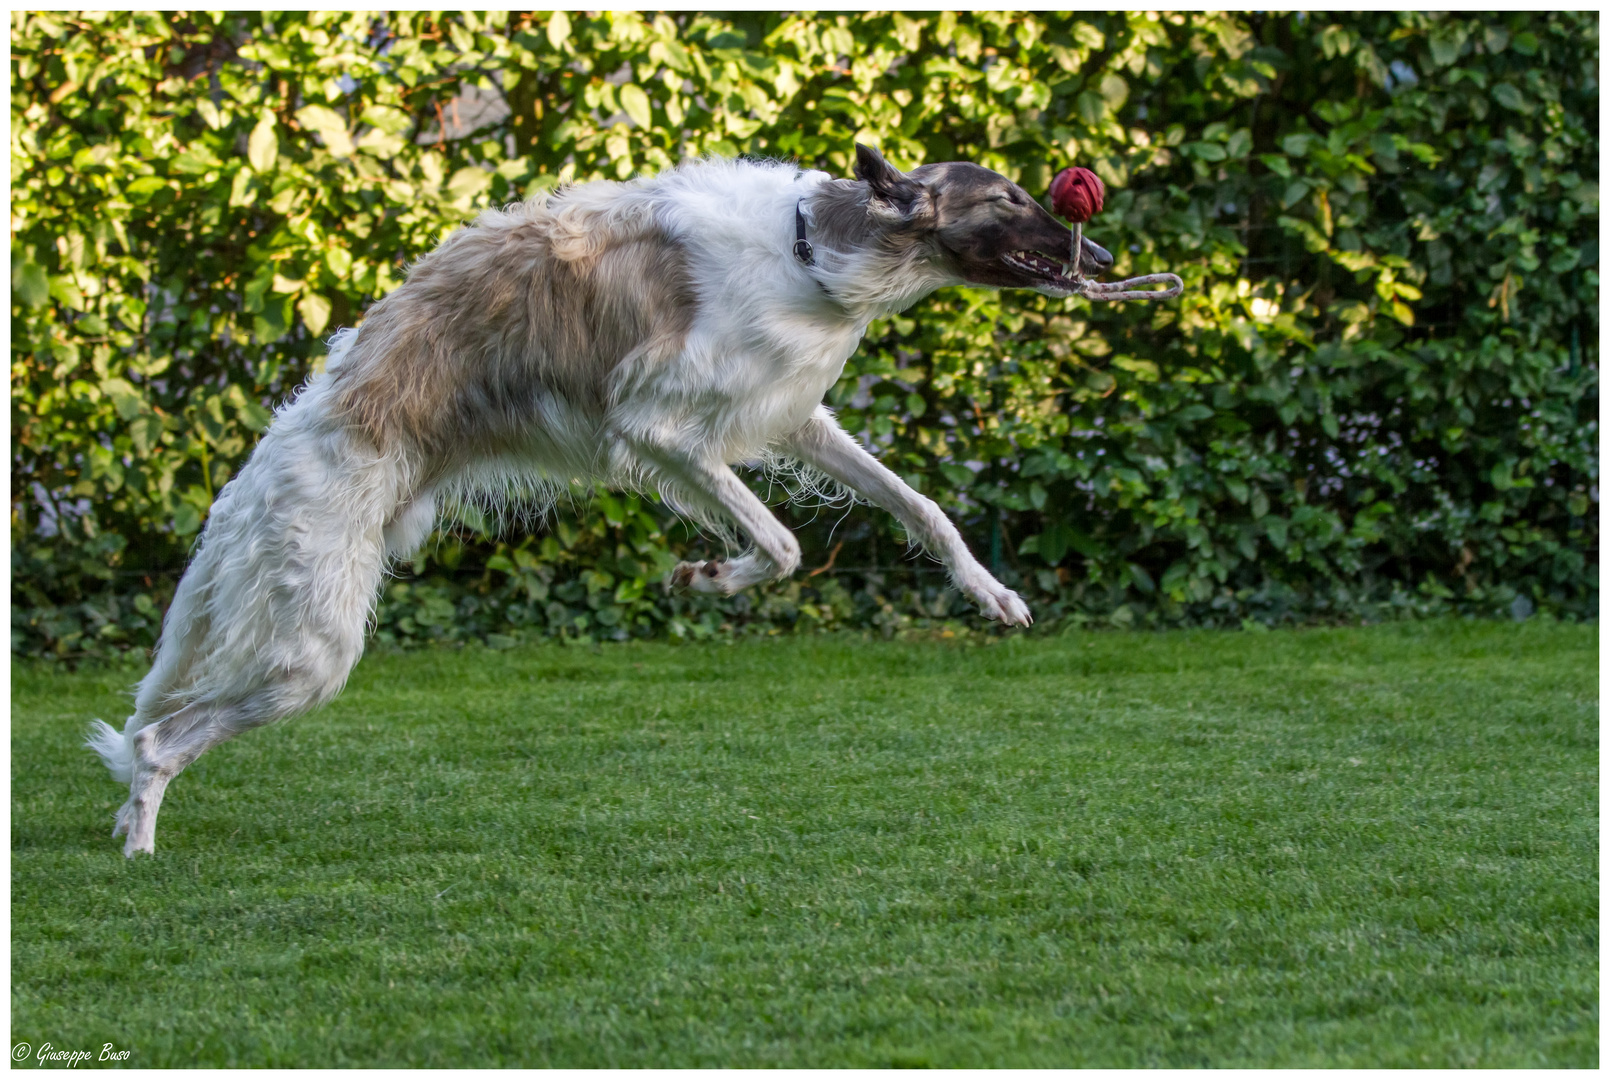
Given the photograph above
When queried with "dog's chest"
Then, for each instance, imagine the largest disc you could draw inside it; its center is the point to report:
(812, 353)
(776, 378)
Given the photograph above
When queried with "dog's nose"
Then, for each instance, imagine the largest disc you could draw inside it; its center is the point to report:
(1095, 256)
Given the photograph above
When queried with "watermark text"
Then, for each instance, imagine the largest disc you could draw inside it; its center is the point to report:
(55, 1055)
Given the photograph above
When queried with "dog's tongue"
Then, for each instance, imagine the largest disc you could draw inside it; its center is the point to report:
(1077, 194)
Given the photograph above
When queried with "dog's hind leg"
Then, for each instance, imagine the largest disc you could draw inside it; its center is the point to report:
(160, 751)
(271, 614)
(157, 754)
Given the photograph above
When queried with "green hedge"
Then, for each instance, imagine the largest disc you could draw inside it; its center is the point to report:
(1379, 392)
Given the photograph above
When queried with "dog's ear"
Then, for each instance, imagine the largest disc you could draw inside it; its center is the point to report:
(870, 167)
(895, 196)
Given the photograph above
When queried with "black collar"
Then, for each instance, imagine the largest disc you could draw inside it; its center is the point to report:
(806, 254)
(802, 247)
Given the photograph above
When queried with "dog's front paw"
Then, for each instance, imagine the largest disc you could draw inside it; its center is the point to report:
(705, 577)
(996, 601)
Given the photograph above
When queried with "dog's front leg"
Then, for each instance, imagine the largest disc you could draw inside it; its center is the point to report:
(822, 443)
(714, 486)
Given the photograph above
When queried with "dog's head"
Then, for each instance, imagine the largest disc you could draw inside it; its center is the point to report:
(984, 229)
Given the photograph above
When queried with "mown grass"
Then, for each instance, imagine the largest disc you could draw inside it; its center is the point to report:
(1366, 847)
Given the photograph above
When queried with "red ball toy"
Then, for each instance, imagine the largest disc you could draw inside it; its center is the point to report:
(1077, 194)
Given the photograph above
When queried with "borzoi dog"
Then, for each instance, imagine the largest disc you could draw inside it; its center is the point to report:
(636, 335)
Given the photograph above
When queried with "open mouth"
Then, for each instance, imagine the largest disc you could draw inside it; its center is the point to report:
(1052, 271)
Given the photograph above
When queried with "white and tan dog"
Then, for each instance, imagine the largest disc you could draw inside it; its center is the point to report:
(638, 335)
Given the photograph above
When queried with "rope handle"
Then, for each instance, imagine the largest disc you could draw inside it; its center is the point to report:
(1120, 290)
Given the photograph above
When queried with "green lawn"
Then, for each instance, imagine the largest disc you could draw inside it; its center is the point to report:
(1328, 847)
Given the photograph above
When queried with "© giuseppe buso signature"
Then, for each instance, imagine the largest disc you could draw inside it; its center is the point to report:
(71, 1058)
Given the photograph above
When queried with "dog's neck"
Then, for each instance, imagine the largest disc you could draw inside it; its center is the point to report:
(868, 267)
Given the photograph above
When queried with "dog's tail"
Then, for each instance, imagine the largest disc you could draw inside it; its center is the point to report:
(115, 747)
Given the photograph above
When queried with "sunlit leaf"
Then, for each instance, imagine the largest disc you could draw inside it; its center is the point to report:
(315, 312)
(558, 29)
(28, 282)
(635, 102)
(330, 126)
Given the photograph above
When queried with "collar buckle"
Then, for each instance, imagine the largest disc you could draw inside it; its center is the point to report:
(802, 247)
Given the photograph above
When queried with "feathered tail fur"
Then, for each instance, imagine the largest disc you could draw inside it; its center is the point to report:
(115, 747)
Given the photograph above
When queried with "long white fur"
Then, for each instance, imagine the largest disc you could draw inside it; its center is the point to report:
(271, 614)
